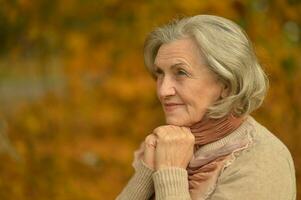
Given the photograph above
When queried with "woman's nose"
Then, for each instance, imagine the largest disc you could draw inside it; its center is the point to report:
(166, 88)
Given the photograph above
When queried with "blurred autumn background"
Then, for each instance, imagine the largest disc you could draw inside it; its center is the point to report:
(76, 100)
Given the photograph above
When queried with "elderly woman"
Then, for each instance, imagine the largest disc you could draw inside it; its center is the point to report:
(208, 82)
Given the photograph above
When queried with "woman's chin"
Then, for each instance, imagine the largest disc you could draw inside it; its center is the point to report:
(176, 121)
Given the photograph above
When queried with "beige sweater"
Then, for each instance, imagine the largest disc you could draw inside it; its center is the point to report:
(264, 171)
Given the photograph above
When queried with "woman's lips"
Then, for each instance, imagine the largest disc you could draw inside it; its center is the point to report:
(171, 106)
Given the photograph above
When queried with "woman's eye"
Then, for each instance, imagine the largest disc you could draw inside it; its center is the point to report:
(158, 72)
(181, 72)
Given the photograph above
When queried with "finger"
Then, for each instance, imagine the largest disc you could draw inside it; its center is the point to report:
(151, 141)
(160, 133)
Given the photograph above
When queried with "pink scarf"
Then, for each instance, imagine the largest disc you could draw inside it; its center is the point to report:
(204, 169)
(210, 130)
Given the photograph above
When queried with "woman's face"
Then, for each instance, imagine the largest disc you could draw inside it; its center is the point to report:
(185, 86)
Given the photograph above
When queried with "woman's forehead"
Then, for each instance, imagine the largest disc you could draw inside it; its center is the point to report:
(183, 51)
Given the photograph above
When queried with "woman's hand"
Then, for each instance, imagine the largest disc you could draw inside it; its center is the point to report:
(149, 150)
(174, 146)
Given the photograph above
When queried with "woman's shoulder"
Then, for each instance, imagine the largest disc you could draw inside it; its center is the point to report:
(265, 155)
(265, 169)
(264, 142)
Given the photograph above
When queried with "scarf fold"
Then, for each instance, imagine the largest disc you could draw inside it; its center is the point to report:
(210, 130)
(205, 167)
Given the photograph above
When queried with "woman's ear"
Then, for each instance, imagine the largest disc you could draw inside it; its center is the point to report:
(225, 91)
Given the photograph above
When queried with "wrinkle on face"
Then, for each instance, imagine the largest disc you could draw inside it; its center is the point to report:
(197, 91)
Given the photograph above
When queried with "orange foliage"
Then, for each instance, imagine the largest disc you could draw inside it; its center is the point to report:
(77, 100)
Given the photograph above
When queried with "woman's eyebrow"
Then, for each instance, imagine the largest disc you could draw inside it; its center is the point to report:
(172, 66)
(178, 65)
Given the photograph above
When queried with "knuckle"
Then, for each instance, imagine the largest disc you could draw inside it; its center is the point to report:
(161, 135)
(156, 130)
(172, 134)
(150, 141)
(161, 131)
(148, 138)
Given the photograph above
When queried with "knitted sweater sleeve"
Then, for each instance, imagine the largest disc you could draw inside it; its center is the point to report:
(171, 184)
(140, 186)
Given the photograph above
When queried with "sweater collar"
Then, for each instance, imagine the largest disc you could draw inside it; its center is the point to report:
(241, 131)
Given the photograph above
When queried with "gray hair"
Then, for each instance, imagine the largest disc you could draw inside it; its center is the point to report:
(228, 53)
